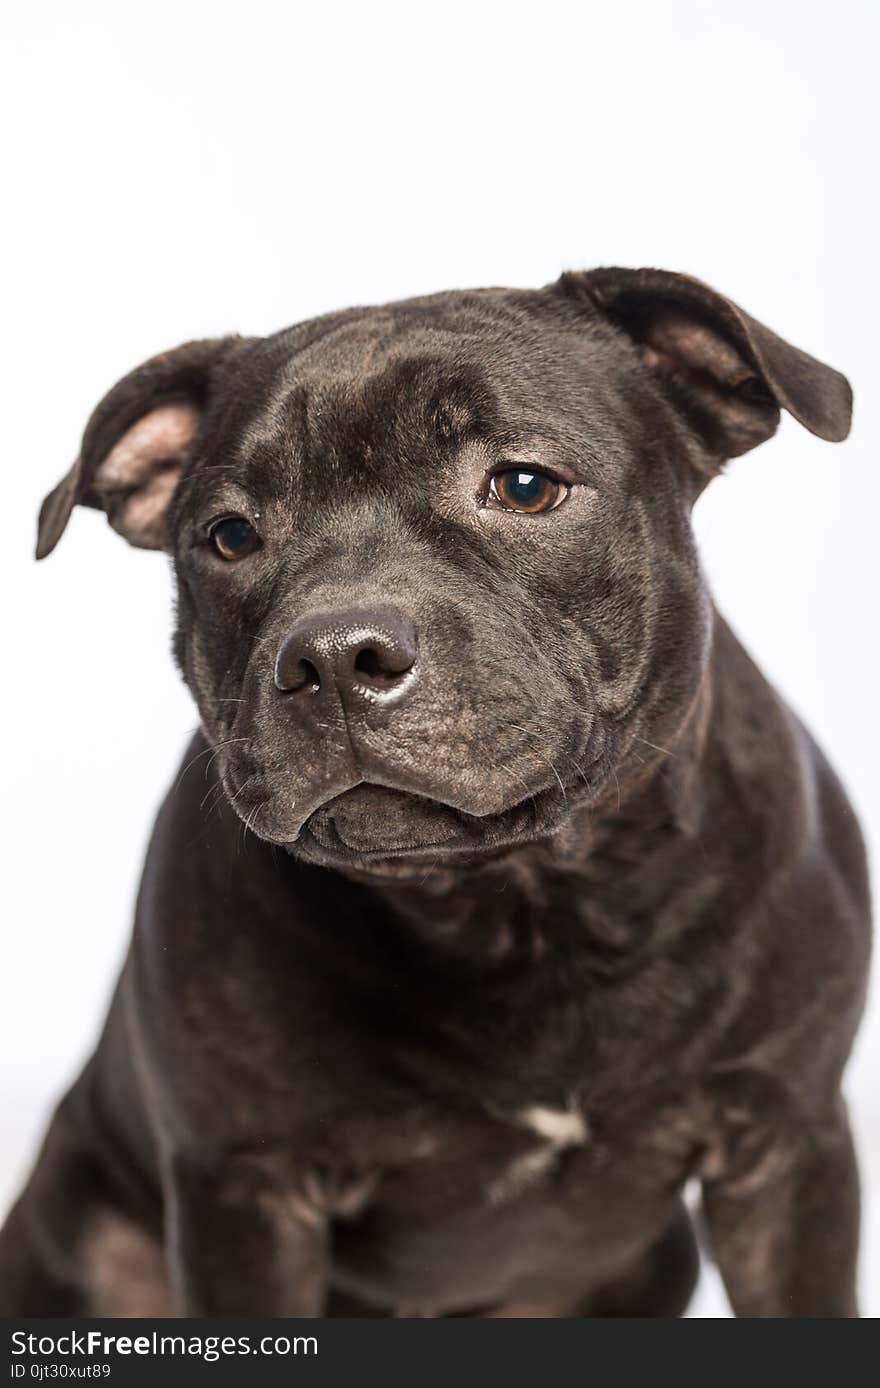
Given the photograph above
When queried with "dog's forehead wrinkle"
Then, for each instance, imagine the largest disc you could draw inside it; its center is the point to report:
(412, 400)
(451, 360)
(275, 428)
(357, 429)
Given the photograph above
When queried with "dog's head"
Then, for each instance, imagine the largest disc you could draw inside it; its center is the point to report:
(436, 576)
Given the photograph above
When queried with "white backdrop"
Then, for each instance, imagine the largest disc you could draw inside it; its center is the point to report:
(178, 170)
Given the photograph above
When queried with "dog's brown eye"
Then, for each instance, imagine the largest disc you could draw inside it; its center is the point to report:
(519, 489)
(233, 537)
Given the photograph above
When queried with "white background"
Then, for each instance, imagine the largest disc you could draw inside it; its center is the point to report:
(174, 170)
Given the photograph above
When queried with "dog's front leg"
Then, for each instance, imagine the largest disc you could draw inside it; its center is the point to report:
(238, 1246)
(783, 1218)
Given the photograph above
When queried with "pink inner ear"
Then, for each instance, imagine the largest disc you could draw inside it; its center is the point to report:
(712, 371)
(142, 469)
(156, 440)
(674, 341)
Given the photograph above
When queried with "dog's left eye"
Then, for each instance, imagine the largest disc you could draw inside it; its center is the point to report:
(233, 537)
(519, 489)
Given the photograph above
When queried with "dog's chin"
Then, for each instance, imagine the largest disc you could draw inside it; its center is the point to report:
(383, 832)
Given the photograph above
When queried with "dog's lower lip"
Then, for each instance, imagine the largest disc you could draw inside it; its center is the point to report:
(332, 840)
(428, 851)
(391, 862)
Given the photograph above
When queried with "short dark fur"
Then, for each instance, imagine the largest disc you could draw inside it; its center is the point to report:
(506, 954)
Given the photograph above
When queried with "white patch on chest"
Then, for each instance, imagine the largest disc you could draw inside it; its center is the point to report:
(561, 1127)
(558, 1129)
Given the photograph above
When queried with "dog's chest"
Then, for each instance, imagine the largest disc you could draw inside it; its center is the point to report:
(439, 1159)
(428, 1162)
(478, 1202)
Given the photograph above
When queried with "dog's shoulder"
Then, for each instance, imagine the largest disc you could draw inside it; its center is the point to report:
(796, 851)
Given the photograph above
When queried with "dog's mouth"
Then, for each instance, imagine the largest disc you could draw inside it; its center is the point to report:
(382, 831)
(380, 826)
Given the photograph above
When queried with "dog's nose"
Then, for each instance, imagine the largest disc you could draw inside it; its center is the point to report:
(372, 651)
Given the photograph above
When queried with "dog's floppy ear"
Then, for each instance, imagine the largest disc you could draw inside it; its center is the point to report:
(725, 371)
(135, 445)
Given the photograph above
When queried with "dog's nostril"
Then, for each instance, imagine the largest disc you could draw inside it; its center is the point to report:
(309, 677)
(367, 663)
(382, 667)
(302, 677)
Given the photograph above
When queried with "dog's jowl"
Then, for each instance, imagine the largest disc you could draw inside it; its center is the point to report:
(520, 899)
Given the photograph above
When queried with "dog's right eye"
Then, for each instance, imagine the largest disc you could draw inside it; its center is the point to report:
(233, 537)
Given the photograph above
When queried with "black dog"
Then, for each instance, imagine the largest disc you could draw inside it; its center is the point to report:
(543, 902)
